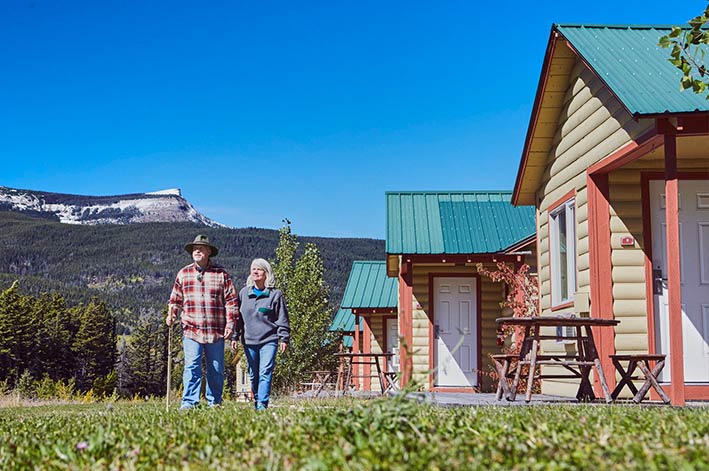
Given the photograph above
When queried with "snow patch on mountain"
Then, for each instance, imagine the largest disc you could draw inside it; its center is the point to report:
(159, 206)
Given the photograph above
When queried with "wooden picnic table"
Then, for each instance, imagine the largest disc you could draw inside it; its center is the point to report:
(577, 365)
(320, 379)
(361, 358)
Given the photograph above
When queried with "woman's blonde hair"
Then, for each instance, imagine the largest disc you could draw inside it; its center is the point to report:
(265, 266)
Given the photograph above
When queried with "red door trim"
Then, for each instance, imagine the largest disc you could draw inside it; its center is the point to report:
(696, 392)
(674, 286)
(406, 294)
(367, 348)
(601, 269)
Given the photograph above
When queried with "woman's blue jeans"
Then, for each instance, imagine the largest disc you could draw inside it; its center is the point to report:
(261, 360)
(192, 375)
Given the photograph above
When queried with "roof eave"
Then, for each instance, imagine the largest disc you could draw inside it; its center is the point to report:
(674, 114)
(536, 108)
(527, 241)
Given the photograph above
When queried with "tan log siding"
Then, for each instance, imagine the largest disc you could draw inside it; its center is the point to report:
(376, 323)
(491, 294)
(628, 262)
(595, 125)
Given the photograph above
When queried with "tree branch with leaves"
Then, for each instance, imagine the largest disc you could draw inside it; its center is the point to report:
(688, 53)
(522, 298)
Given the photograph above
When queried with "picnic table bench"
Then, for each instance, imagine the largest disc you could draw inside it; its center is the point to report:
(321, 379)
(351, 359)
(576, 365)
(649, 375)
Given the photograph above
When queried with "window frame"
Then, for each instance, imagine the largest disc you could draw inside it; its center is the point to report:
(567, 206)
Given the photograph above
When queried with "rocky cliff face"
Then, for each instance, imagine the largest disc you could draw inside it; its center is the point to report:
(159, 206)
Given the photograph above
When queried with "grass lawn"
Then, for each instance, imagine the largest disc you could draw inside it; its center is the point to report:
(353, 434)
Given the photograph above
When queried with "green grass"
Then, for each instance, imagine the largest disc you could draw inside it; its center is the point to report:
(351, 434)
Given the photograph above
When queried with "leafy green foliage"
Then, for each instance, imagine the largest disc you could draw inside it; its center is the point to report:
(132, 267)
(306, 294)
(688, 50)
(344, 434)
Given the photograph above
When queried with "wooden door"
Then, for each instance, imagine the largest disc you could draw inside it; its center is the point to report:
(392, 329)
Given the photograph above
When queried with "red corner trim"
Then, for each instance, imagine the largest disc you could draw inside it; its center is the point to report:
(628, 153)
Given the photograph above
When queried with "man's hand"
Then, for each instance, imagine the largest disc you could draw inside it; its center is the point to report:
(227, 332)
(234, 345)
(172, 312)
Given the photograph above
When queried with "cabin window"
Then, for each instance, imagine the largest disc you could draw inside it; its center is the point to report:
(562, 240)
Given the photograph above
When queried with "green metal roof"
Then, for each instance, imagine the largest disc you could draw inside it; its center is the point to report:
(455, 222)
(344, 321)
(628, 59)
(369, 287)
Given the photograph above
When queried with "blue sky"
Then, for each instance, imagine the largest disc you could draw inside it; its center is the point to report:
(261, 111)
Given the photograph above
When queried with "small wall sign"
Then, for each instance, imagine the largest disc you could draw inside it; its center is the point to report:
(627, 240)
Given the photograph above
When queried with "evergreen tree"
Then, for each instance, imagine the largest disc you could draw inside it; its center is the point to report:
(306, 294)
(95, 344)
(123, 378)
(147, 357)
(53, 338)
(16, 334)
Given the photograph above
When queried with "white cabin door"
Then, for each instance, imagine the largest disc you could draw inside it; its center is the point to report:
(694, 272)
(392, 329)
(455, 331)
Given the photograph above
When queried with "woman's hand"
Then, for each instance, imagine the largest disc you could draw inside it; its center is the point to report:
(234, 345)
(283, 347)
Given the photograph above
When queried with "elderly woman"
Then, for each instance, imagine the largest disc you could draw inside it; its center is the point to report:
(266, 328)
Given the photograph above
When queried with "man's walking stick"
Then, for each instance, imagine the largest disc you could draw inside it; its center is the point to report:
(169, 362)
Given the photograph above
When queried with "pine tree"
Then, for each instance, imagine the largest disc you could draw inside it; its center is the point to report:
(53, 338)
(147, 357)
(123, 368)
(16, 334)
(95, 344)
(306, 294)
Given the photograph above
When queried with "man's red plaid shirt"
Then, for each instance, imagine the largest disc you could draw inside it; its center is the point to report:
(208, 300)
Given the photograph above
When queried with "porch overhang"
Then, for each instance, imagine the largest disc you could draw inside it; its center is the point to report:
(374, 311)
(458, 259)
(668, 130)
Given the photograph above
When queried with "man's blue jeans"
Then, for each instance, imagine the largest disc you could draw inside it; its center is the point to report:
(261, 360)
(192, 376)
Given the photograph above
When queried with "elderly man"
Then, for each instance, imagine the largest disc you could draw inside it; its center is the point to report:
(205, 296)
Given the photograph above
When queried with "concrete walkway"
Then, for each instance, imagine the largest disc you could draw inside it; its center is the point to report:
(485, 399)
(447, 399)
(444, 399)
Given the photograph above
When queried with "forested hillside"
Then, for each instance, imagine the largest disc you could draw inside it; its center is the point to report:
(132, 267)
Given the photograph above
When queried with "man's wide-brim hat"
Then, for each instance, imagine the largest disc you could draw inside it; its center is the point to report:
(201, 240)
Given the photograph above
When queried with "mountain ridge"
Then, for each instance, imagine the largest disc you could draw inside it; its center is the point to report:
(134, 208)
(132, 266)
